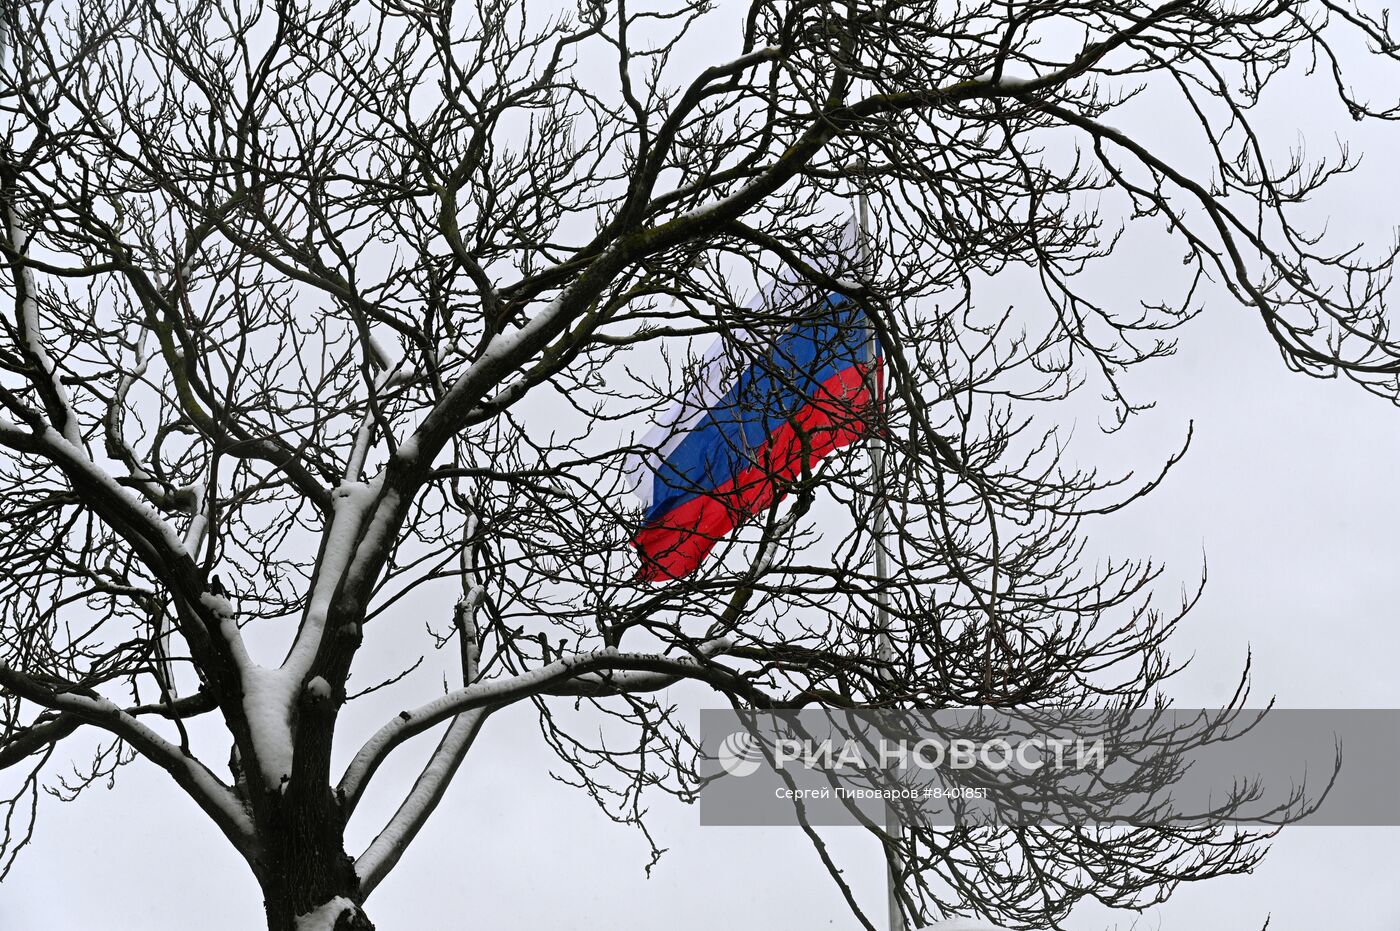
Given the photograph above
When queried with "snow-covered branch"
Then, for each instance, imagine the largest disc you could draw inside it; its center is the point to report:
(161, 547)
(607, 671)
(391, 842)
(217, 799)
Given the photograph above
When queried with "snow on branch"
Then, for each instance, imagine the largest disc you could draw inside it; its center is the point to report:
(599, 669)
(217, 799)
(386, 848)
(149, 534)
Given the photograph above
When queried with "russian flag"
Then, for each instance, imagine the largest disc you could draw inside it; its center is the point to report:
(758, 416)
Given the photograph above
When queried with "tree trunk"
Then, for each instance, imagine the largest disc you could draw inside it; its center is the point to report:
(304, 870)
(336, 915)
(312, 894)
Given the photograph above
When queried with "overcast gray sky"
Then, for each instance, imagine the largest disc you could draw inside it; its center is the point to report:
(1290, 494)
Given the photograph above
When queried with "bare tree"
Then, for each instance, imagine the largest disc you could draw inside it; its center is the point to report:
(318, 305)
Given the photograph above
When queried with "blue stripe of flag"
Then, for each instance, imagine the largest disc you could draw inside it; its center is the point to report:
(762, 398)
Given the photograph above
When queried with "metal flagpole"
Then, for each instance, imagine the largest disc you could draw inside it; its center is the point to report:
(878, 519)
(878, 522)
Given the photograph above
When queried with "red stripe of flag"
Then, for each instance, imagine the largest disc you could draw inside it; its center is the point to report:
(674, 544)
